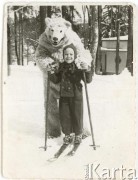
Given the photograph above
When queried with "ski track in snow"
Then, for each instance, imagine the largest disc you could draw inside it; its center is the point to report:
(112, 108)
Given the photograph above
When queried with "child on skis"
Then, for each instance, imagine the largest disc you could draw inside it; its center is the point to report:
(69, 75)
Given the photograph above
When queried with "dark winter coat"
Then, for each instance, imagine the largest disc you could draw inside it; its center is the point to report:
(70, 78)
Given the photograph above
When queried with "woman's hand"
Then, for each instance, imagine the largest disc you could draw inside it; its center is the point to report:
(84, 66)
(52, 67)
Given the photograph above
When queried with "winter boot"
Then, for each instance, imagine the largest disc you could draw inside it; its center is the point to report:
(78, 139)
(67, 139)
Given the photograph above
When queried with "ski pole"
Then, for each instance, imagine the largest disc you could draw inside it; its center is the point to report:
(47, 104)
(89, 112)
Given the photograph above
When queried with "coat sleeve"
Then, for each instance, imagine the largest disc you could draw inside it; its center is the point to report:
(88, 75)
(42, 55)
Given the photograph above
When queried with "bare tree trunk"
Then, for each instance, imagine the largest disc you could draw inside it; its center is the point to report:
(45, 11)
(93, 31)
(20, 38)
(84, 25)
(19, 42)
(42, 17)
(63, 12)
(9, 62)
(111, 21)
(9, 44)
(71, 12)
(98, 58)
(9, 41)
(49, 11)
(130, 40)
(118, 40)
(89, 27)
(27, 52)
(15, 32)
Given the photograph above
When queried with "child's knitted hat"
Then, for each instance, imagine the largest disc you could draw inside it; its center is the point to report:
(72, 47)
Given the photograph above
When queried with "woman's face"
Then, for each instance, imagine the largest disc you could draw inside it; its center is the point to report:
(69, 55)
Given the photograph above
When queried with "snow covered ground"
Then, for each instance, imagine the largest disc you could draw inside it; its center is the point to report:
(113, 115)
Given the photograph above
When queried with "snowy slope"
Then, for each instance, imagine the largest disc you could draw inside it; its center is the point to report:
(113, 113)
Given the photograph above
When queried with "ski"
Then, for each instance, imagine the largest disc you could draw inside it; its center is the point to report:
(74, 149)
(59, 152)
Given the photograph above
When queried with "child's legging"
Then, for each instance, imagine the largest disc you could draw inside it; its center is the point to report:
(71, 115)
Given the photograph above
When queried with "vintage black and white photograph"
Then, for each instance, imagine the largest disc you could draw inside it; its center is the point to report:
(68, 91)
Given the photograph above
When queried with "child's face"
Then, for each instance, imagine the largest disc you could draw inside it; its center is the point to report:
(69, 55)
